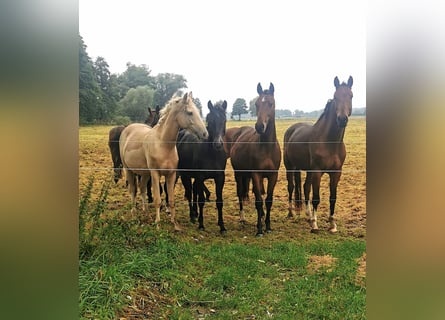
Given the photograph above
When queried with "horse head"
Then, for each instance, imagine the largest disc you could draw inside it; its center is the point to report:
(265, 108)
(189, 117)
(216, 123)
(343, 101)
(153, 116)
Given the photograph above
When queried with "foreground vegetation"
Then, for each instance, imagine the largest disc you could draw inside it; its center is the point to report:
(130, 270)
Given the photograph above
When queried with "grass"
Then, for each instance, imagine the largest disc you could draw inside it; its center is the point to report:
(225, 281)
(130, 270)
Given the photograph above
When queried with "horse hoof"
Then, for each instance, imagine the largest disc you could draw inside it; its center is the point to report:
(290, 216)
(201, 228)
(243, 222)
(333, 230)
(269, 231)
(223, 232)
(259, 235)
(314, 230)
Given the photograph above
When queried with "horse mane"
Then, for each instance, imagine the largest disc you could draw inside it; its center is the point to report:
(326, 108)
(164, 112)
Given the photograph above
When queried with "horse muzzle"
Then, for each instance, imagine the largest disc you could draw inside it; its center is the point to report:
(342, 121)
(260, 127)
(218, 144)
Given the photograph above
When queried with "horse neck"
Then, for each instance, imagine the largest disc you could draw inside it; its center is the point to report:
(169, 128)
(271, 133)
(326, 127)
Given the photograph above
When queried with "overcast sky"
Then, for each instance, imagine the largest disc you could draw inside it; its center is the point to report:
(224, 48)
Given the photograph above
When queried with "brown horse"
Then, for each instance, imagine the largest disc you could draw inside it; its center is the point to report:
(255, 154)
(149, 151)
(113, 142)
(317, 149)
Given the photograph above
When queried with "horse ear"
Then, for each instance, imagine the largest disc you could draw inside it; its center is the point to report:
(185, 97)
(350, 81)
(259, 89)
(190, 95)
(336, 82)
(224, 105)
(158, 108)
(271, 88)
(210, 105)
(149, 110)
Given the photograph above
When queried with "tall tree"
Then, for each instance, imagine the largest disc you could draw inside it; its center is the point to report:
(91, 105)
(239, 107)
(135, 103)
(133, 77)
(108, 85)
(166, 85)
(252, 108)
(198, 104)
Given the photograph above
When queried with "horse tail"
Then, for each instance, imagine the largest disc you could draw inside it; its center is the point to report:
(113, 144)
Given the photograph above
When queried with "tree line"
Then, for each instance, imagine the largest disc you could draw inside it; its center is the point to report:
(108, 98)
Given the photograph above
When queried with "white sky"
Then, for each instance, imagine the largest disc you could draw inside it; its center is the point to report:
(224, 48)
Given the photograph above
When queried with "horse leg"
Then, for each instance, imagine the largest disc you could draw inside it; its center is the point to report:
(155, 177)
(219, 183)
(132, 188)
(170, 181)
(290, 190)
(271, 182)
(334, 178)
(187, 183)
(149, 193)
(198, 195)
(316, 178)
(207, 193)
(307, 190)
(257, 182)
(298, 193)
(167, 206)
(195, 189)
(240, 193)
(143, 188)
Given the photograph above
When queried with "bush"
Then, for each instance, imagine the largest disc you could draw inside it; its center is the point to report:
(121, 120)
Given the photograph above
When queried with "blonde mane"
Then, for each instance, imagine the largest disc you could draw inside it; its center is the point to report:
(166, 110)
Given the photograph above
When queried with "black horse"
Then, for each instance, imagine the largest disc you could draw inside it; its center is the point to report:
(202, 160)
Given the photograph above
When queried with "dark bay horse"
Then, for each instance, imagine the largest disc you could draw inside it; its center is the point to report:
(204, 159)
(147, 151)
(317, 149)
(255, 155)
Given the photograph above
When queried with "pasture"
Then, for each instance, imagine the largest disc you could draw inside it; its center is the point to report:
(130, 270)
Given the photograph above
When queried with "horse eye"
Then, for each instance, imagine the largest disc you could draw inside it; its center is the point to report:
(189, 113)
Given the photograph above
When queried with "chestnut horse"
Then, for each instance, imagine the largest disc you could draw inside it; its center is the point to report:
(255, 154)
(202, 160)
(317, 149)
(149, 151)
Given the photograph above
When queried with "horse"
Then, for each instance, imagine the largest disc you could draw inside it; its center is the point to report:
(202, 160)
(147, 151)
(317, 149)
(113, 143)
(255, 154)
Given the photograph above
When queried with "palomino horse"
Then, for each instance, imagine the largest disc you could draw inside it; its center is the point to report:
(317, 149)
(152, 151)
(113, 143)
(204, 160)
(255, 154)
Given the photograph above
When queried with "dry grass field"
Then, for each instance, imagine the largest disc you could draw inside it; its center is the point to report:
(95, 160)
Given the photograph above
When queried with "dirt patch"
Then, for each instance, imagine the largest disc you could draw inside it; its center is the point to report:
(146, 302)
(360, 278)
(316, 263)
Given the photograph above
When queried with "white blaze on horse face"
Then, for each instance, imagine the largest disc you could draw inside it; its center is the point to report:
(263, 100)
